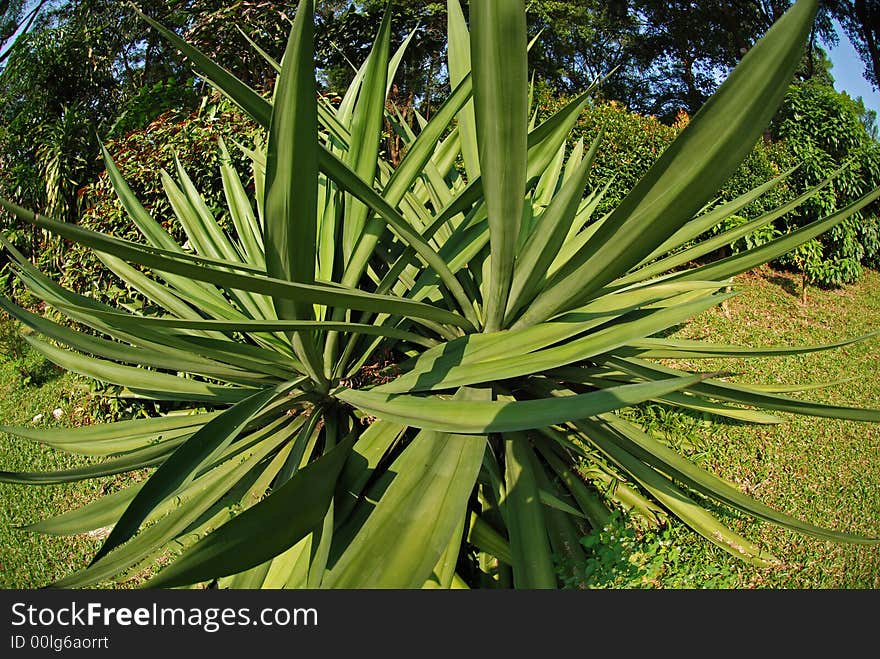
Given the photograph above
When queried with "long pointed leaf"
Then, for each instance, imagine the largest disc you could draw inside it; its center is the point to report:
(459, 55)
(194, 268)
(474, 417)
(281, 520)
(529, 544)
(291, 195)
(366, 130)
(498, 60)
(411, 525)
(691, 169)
(180, 467)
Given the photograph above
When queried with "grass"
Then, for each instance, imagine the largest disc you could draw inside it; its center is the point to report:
(820, 470)
(823, 471)
(31, 389)
(28, 559)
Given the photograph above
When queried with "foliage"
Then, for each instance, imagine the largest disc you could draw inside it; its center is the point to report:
(631, 143)
(667, 56)
(46, 119)
(861, 22)
(192, 139)
(344, 36)
(148, 103)
(583, 41)
(67, 75)
(767, 161)
(389, 375)
(81, 69)
(681, 47)
(824, 130)
(817, 128)
(620, 555)
(225, 31)
(12, 18)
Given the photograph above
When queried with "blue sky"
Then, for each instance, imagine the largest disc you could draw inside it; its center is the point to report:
(847, 72)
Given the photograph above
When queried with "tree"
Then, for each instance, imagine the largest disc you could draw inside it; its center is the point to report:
(685, 48)
(227, 32)
(345, 35)
(669, 55)
(16, 20)
(825, 130)
(663, 55)
(73, 71)
(861, 22)
(578, 42)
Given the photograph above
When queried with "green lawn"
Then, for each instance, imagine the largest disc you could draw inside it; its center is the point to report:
(823, 471)
(30, 560)
(820, 470)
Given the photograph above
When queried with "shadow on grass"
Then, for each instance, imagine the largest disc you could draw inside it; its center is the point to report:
(34, 370)
(785, 283)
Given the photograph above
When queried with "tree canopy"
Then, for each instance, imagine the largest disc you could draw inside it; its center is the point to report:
(71, 69)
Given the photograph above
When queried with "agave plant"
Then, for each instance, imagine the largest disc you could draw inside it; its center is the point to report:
(390, 373)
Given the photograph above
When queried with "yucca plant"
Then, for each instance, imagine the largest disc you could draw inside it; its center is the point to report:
(393, 371)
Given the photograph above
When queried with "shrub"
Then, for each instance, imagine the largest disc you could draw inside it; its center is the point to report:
(631, 144)
(817, 128)
(823, 128)
(393, 375)
(140, 154)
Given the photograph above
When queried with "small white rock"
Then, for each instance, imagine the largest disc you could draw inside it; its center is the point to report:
(102, 533)
(39, 417)
(58, 413)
